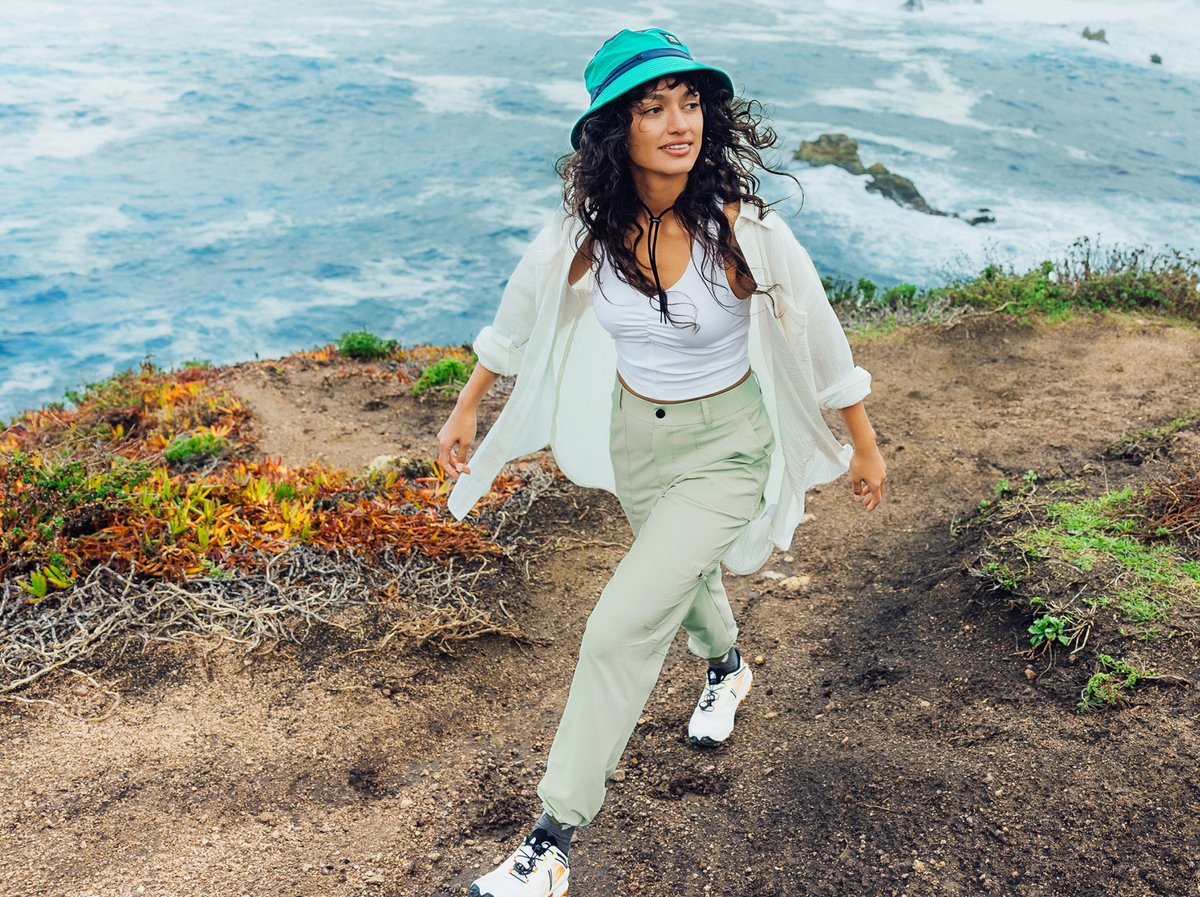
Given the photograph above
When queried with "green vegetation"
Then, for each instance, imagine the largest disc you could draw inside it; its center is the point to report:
(1109, 570)
(145, 511)
(1049, 628)
(1107, 535)
(1111, 529)
(446, 376)
(51, 499)
(865, 296)
(364, 345)
(190, 449)
(1087, 278)
(1110, 685)
(1152, 442)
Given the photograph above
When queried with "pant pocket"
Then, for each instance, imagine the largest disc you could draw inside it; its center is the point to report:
(756, 439)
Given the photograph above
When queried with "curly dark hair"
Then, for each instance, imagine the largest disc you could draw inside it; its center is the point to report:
(599, 190)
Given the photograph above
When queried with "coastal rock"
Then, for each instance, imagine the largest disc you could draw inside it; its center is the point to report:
(913, 5)
(1156, 59)
(832, 149)
(842, 151)
(898, 188)
(1095, 35)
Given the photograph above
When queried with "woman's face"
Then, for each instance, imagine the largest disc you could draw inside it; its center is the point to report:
(666, 130)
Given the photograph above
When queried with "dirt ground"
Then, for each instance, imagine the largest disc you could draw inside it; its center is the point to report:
(892, 744)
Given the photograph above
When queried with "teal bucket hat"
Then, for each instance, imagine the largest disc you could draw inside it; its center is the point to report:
(630, 58)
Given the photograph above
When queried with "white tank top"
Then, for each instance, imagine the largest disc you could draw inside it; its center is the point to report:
(676, 362)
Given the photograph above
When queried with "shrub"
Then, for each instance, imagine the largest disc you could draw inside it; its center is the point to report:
(446, 376)
(190, 449)
(364, 345)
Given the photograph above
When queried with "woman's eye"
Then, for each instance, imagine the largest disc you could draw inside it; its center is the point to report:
(651, 110)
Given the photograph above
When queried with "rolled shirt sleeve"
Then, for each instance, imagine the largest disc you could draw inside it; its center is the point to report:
(501, 344)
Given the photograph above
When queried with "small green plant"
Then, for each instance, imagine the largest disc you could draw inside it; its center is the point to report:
(1002, 575)
(190, 449)
(363, 344)
(211, 571)
(1110, 685)
(1049, 630)
(1002, 488)
(36, 586)
(446, 376)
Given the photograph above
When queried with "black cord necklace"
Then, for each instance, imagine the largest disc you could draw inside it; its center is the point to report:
(652, 247)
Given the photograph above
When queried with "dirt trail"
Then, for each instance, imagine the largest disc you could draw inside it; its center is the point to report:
(892, 744)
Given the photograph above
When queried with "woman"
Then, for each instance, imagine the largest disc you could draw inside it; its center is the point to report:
(666, 282)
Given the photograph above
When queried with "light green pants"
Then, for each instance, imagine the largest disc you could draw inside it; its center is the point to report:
(689, 476)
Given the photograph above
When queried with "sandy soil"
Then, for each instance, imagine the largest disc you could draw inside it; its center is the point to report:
(892, 744)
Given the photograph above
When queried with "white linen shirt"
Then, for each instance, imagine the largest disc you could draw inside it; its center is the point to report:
(546, 333)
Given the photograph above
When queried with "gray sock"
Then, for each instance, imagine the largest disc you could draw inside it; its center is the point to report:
(728, 664)
(560, 833)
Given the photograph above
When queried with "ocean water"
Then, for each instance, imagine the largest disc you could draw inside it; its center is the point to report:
(217, 180)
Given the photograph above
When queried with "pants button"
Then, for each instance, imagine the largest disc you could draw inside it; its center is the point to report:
(658, 412)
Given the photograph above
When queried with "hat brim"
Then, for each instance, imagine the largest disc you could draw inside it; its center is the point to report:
(650, 70)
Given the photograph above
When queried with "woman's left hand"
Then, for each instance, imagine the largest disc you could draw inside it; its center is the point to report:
(868, 473)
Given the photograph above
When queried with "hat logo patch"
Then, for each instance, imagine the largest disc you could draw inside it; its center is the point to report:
(672, 39)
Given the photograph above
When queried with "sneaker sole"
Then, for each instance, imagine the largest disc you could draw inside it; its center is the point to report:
(704, 741)
(474, 891)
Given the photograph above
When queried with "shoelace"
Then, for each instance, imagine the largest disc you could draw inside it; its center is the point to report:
(710, 692)
(536, 848)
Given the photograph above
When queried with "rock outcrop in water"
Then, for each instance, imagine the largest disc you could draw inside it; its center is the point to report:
(1095, 35)
(832, 149)
(842, 151)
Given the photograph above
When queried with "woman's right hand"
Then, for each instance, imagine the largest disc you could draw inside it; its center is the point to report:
(455, 440)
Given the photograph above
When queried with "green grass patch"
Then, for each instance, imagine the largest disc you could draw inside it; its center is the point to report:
(364, 345)
(1140, 604)
(1104, 535)
(1088, 277)
(446, 376)
(190, 449)
(1002, 575)
(1094, 575)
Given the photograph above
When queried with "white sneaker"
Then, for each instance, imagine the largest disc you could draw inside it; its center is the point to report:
(712, 720)
(536, 869)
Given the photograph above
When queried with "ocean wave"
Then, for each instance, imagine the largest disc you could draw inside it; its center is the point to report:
(79, 108)
(839, 214)
(456, 94)
(922, 88)
(25, 378)
(239, 227)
